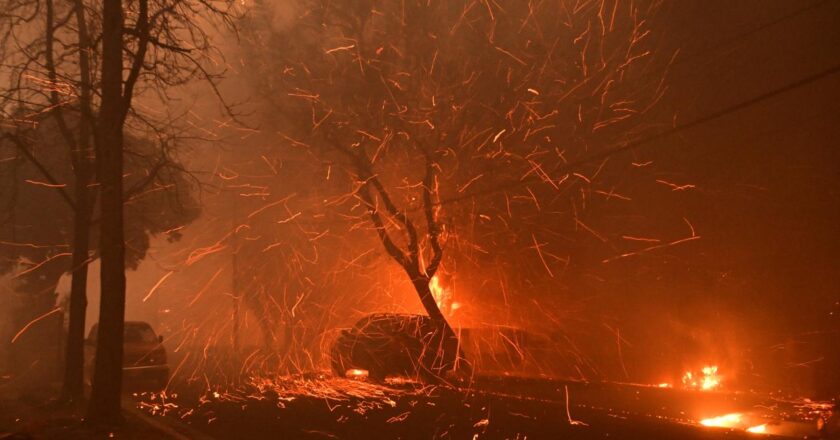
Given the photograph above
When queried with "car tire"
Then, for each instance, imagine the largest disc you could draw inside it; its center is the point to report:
(337, 357)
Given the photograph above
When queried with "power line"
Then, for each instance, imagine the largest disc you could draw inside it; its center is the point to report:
(750, 32)
(569, 166)
(728, 42)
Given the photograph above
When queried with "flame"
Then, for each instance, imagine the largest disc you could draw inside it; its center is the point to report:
(709, 380)
(356, 373)
(724, 421)
(733, 420)
(443, 297)
(758, 429)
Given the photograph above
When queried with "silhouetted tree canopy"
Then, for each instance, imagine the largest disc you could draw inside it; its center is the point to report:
(37, 225)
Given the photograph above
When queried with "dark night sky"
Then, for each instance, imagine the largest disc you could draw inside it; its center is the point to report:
(767, 185)
(767, 176)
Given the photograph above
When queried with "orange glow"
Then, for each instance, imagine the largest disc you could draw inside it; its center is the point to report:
(708, 380)
(758, 429)
(665, 385)
(733, 420)
(357, 373)
(724, 421)
(443, 297)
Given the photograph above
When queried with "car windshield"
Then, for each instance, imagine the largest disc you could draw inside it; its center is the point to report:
(139, 334)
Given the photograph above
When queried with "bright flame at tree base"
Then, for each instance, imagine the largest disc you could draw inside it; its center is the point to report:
(443, 297)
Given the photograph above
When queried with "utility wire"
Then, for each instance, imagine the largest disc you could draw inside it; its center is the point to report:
(569, 166)
(730, 41)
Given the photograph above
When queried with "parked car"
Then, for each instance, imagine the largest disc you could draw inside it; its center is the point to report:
(144, 357)
(503, 349)
(389, 344)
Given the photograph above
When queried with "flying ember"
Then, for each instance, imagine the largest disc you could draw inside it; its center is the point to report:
(416, 219)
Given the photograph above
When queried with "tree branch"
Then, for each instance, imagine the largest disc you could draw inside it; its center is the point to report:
(56, 109)
(142, 29)
(393, 250)
(29, 156)
(431, 217)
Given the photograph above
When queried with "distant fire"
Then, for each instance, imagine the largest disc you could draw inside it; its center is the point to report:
(758, 429)
(708, 379)
(734, 420)
(725, 421)
(357, 374)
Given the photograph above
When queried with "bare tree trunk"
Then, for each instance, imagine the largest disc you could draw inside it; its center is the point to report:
(73, 388)
(421, 285)
(74, 359)
(449, 348)
(449, 351)
(107, 380)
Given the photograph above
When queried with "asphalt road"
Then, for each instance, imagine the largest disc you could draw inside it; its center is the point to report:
(321, 407)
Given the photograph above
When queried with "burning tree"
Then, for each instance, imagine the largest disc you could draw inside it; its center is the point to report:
(417, 106)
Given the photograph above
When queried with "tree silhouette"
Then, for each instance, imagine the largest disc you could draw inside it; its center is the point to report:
(69, 58)
(418, 105)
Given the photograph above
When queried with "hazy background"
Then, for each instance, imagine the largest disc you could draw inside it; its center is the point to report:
(764, 200)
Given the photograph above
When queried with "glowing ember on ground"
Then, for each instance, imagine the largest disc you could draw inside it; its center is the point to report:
(708, 380)
(357, 374)
(758, 429)
(736, 421)
(724, 421)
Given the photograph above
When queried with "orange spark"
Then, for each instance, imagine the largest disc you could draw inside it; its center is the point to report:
(676, 187)
(155, 287)
(200, 253)
(537, 247)
(33, 322)
(48, 185)
(35, 267)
